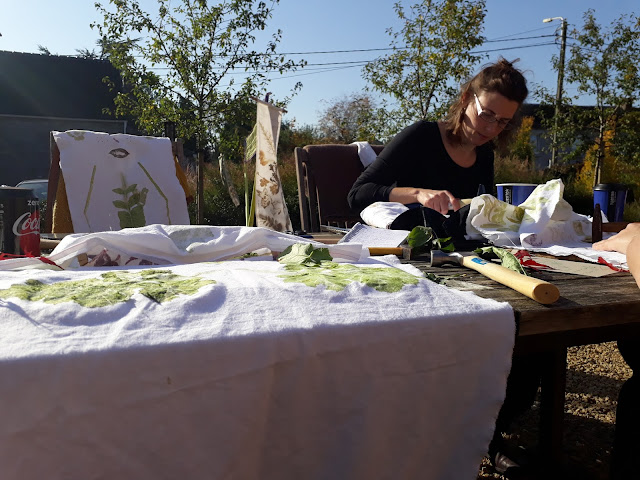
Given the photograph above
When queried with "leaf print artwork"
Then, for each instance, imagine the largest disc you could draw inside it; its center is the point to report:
(336, 276)
(109, 289)
(159, 190)
(119, 153)
(131, 206)
(77, 135)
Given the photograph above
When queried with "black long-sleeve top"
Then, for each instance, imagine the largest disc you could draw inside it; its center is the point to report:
(417, 157)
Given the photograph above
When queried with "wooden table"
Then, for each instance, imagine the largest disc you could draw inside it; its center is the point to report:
(590, 310)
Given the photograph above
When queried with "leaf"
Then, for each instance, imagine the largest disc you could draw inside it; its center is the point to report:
(120, 204)
(125, 219)
(137, 216)
(422, 239)
(133, 199)
(130, 188)
(507, 259)
(304, 254)
(420, 236)
(119, 191)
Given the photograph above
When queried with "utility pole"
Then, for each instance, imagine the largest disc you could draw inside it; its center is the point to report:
(563, 48)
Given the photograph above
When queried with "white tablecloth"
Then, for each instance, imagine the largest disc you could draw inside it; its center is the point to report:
(245, 375)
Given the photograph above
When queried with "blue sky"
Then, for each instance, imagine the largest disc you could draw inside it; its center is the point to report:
(328, 25)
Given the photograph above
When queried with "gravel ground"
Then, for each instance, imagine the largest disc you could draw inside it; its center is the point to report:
(594, 376)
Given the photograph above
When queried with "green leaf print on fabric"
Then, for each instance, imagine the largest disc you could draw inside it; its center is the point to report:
(77, 135)
(336, 276)
(131, 207)
(109, 289)
(496, 212)
(304, 254)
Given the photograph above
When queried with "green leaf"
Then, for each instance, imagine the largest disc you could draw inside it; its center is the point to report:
(137, 216)
(120, 204)
(304, 254)
(130, 188)
(420, 236)
(119, 191)
(507, 259)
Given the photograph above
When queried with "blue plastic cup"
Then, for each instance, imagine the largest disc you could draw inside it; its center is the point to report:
(611, 197)
(515, 193)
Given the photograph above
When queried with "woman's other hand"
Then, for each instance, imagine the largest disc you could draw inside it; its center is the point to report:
(620, 241)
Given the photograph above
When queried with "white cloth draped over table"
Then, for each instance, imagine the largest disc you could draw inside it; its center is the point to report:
(246, 370)
(119, 181)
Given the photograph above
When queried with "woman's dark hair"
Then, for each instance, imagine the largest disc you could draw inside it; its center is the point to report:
(500, 77)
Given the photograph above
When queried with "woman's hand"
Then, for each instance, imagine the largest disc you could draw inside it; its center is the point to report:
(439, 200)
(620, 241)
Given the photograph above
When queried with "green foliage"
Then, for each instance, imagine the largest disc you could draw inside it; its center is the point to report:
(512, 169)
(522, 147)
(218, 207)
(507, 259)
(196, 45)
(603, 64)
(423, 239)
(349, 119)
(432, 55)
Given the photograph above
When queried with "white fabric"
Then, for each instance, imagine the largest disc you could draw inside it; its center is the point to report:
(249, 377)
(271, 209)
(165, 244)
(366, 153)
(545, 222)
(382, 214)
(94, 164)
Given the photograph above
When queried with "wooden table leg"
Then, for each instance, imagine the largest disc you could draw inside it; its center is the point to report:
(554, 380)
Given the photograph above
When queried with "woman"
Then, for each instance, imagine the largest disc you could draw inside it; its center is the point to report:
(437, 163)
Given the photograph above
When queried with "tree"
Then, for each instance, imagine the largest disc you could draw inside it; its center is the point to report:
(349, 119)
(602, 65)
(181, 65)
(431, 56)
(522, 148)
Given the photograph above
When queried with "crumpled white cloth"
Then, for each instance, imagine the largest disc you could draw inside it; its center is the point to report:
(366, 153)
(382, 214)
(178, 244)
(545, 222)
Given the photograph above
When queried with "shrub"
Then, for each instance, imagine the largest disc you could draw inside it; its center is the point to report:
(218, 206)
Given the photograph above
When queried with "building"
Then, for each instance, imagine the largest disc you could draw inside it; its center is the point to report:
(41, 93)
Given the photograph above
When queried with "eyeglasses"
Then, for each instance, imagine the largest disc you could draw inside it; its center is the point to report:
(490, 117)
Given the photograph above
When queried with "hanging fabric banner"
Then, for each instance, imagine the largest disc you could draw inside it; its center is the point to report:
(271, 209)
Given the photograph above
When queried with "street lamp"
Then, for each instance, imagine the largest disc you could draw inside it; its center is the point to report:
(563, 47)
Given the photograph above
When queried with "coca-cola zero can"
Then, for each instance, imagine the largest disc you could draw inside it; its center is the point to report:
(19, 222)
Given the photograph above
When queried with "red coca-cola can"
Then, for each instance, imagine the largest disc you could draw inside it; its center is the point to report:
(19, 222)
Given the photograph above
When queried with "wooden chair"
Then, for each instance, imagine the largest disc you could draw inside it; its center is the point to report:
(598, 227)
(58, 217)
(325, 176)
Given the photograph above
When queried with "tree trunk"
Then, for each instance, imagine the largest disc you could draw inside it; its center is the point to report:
(200, 187)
